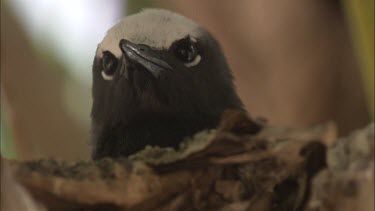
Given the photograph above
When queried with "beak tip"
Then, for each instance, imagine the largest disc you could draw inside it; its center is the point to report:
(123, 43)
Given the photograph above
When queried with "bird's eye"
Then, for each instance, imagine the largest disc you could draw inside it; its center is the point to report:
(186, 51)
(109, 63)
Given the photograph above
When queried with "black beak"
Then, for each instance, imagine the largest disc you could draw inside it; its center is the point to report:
(144, 56)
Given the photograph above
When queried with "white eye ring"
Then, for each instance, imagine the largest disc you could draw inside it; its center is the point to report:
(107, 77)
(194, 62)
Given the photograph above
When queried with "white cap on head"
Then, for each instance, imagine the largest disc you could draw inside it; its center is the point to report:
(156, 28)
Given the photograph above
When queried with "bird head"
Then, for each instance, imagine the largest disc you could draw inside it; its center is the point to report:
(157, 61)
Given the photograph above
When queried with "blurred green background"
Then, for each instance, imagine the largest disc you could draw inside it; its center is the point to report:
(296, 63)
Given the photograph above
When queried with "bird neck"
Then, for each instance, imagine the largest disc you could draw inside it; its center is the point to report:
(154, 129)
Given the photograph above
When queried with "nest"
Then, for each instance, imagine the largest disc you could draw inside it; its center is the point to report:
(239, 166)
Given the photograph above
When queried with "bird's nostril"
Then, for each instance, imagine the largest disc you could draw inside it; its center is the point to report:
(142, 49)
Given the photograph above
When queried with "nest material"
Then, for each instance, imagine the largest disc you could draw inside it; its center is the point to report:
(239, 166)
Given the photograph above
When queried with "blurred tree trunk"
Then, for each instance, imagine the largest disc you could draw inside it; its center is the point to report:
(32, 90)
(293, 60)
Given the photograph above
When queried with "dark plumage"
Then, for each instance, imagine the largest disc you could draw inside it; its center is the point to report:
(157, 78)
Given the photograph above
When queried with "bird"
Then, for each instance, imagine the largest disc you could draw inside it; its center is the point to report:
(158, 77)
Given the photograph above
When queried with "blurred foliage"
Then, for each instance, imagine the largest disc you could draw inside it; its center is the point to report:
(7, 147)
(69, 103)
(137, 5)
(361, 18)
